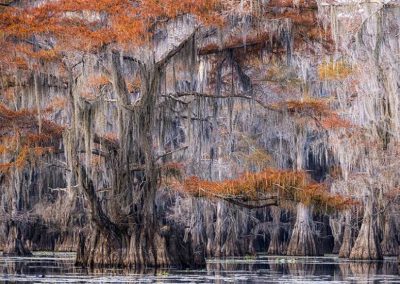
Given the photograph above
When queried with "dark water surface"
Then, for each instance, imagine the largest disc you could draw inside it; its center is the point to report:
(59, 268)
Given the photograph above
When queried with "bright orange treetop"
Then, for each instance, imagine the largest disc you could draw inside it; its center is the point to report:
(89, 25)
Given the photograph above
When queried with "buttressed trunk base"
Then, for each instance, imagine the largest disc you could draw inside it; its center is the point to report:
(302, 242)
(367, 246)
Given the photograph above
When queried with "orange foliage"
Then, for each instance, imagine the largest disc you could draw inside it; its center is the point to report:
(334, 121)
(20, 140)
(334, 70)
(87, 25)
(26, 121)
(318, 109)
(134, 85)
(111, 137)
(308, 105)
(57, 103)
(296, 186)
(97, 81)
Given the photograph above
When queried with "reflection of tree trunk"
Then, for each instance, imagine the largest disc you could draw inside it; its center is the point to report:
(302, 242)
(345, 271)
(367, 245)
(390, 246)
(276, 245)
(301, 269)
(365, 268)
(347, 241)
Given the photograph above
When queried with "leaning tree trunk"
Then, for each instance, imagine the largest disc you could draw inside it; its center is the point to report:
(367, 245)
(347, 240)
(302, 242)
(276, 245)
(390, 245)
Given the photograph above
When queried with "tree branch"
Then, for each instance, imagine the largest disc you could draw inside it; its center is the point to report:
(171, 152)
(241, 96)
(163, 61)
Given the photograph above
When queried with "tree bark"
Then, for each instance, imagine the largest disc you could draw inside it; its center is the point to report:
(367, 245)
(348, 237)
(15, 245)
(337, 232)
(276, 245)
(302, 241)
(389, 244)
(142, 241)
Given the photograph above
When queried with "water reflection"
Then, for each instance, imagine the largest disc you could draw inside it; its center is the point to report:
(59, 268)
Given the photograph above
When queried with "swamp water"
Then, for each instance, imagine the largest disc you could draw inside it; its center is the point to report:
(59, 268)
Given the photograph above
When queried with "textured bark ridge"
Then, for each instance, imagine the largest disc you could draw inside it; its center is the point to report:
(389, 244)
(277, 245)
(367, 245)
(146, 244)
(348, 236)
(302, 242)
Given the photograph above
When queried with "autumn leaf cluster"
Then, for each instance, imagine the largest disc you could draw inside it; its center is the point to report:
(46, 30)
(292, 186)
(20, 138)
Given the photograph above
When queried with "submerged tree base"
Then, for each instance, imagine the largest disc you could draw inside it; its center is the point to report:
(146, 248)
(302, 242)
(367, 246)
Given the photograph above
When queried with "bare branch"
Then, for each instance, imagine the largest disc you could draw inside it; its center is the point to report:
(245, 96)
(65, 189)
(171, 152)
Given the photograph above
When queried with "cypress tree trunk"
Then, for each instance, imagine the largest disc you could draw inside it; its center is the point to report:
(302, 242)
(14, 228)
(367, 245)
(276, 245)
(142, 242)
(337, 232)
(15, 245)
(389, 244)
(348, 236)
